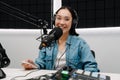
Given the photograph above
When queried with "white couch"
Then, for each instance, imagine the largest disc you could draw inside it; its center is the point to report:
(21, 44)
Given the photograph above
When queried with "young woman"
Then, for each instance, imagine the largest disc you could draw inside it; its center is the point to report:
(69, 50)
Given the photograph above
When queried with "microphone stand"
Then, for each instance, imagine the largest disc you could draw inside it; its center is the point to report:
(15, 12)
(4, 7)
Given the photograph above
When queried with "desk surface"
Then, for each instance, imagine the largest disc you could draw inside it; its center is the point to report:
(24, 74)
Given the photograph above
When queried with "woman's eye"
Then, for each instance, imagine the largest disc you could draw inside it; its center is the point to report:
(66, 19)
(58, 18)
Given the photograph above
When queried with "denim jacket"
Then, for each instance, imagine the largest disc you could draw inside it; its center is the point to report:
(78, 55)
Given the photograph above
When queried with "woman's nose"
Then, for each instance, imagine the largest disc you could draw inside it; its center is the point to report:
(62, 22)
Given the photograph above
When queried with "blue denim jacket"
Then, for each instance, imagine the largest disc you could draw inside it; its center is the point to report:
(78, 55)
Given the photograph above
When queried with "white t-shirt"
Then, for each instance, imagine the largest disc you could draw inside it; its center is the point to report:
(60, 60)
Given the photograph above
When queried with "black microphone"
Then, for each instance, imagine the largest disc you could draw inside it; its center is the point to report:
(53, 35)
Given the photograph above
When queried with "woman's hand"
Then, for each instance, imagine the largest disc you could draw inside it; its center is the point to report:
(28, 64)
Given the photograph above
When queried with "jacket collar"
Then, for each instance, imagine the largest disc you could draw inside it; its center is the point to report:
(69, 40)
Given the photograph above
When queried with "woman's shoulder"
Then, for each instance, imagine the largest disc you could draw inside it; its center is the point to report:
(76, 41)
(77, 38)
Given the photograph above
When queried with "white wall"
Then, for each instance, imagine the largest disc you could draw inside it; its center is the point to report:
(22, 44)
(56, 5)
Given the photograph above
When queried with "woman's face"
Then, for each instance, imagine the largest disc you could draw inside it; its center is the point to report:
(63, 20)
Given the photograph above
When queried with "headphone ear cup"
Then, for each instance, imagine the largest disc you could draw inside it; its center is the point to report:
(74, 22)
(5, 62)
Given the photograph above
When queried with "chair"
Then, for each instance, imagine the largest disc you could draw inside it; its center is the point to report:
(93, 53)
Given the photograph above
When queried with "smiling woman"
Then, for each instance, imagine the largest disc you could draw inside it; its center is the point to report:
(68, 50)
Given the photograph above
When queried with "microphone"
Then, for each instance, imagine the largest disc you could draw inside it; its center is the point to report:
(53, 35)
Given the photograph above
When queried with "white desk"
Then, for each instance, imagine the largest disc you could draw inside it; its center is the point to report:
(11, 73)
(22, 74)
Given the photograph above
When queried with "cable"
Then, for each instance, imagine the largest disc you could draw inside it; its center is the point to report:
(24, 75)
(57, 64)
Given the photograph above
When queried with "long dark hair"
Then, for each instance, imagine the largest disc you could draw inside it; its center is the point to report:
(74, 20)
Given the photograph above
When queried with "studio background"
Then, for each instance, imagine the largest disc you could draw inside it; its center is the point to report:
(21, 43)
(91, 13)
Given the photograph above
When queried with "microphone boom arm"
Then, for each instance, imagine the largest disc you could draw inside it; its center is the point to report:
(4, 7)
